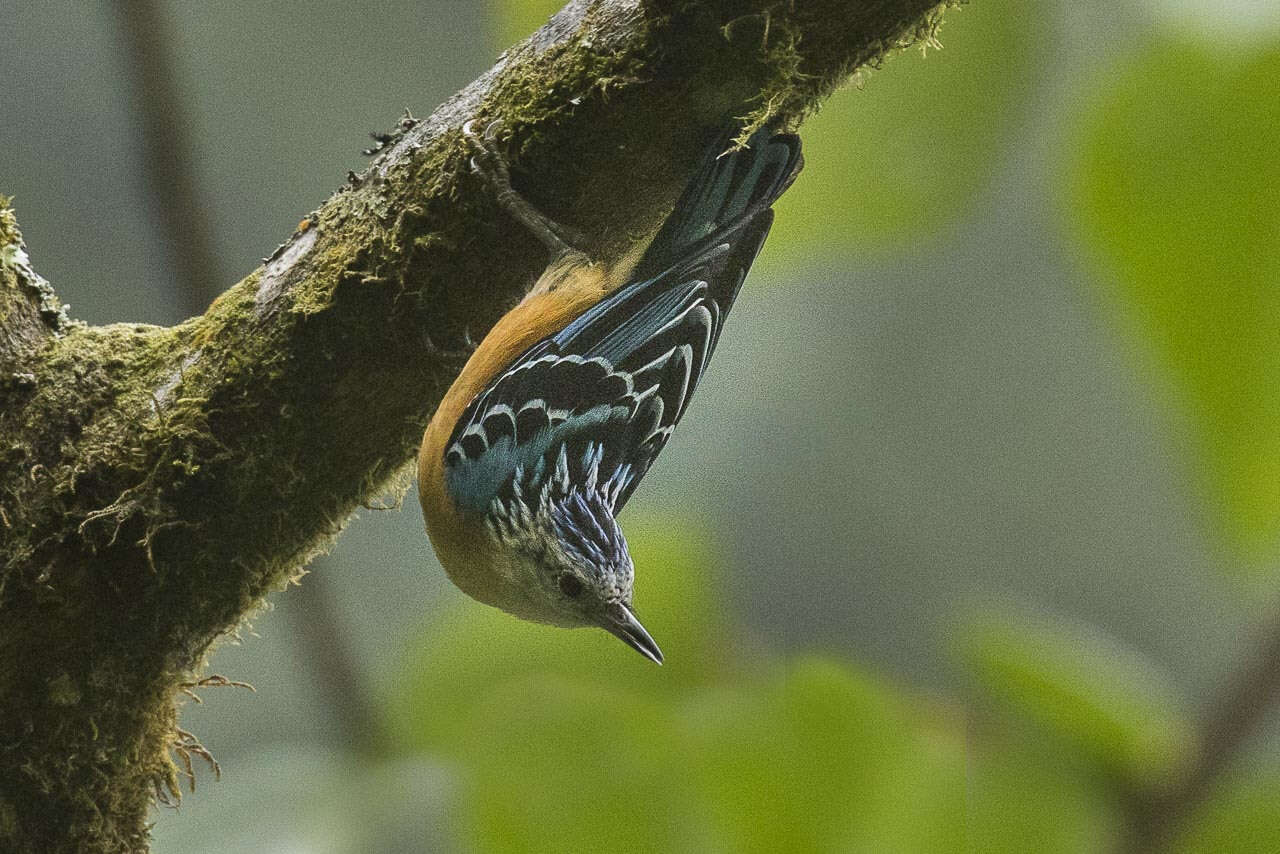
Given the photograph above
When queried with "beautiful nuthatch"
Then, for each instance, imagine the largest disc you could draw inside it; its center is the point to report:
(565, 404)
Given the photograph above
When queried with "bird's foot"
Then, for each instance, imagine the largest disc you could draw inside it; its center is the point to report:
(489, 164)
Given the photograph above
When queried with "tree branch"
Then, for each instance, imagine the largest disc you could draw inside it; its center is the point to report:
(156, 483)
(30, 313)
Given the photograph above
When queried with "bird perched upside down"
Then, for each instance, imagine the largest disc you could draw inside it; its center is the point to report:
(568, 400)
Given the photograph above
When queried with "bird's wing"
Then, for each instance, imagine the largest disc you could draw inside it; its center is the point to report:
(595, 403)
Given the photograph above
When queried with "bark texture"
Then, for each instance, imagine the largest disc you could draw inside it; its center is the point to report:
(156, 483)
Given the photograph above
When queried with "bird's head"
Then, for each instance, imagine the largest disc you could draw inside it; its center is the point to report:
(566, 563)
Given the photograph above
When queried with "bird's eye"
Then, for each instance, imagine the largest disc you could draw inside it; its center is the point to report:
(570, 585)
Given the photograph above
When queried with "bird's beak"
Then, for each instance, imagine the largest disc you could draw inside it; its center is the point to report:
(620, 620)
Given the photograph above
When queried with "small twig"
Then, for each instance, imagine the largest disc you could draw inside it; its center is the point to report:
(187, 745)
(213, 681)
(335, 670)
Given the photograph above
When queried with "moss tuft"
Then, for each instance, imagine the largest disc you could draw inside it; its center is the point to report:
(63, 690)
(795, 90)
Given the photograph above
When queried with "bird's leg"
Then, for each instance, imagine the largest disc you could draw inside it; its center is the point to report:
(489, 165)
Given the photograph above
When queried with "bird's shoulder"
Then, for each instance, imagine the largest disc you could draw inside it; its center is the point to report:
(562, 294)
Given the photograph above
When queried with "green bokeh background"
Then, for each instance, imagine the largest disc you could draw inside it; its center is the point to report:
(968, 524)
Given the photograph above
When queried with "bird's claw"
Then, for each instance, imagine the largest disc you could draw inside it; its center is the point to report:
(485, 161)
(490, 132)
(492, 168)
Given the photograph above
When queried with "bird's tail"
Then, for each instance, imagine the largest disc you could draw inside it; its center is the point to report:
(729, 188)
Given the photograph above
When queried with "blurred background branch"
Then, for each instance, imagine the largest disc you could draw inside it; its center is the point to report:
(1232, 720)
(180, 213)
(186, 231)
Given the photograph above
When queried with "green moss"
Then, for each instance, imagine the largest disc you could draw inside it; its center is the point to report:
(8, 820)
(794, 91)
(63, 690)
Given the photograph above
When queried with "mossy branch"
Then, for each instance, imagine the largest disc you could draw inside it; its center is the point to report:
(156, 483)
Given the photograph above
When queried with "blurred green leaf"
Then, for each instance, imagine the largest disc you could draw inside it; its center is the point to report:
(821, 758)
(810, 756)
(559, 765)
(512, 21)
(1022, 798)
(1228, 24)
(1242, 818)
(904, 154)
(1115, 706)
(1176, 188)
(800, 761)
(812, 759)
(472, 650)
(566, 741)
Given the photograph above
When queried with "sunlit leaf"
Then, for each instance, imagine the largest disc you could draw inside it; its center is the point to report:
(1111, 703)
(810, 756)
(811, 759)
(902, 155)
(1176, 190)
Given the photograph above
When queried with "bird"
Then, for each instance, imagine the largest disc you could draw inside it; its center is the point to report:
(564, 405)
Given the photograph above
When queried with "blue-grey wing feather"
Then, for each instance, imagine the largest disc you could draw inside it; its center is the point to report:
(595, 403)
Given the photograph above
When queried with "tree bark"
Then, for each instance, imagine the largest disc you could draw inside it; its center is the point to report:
(156, 483)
